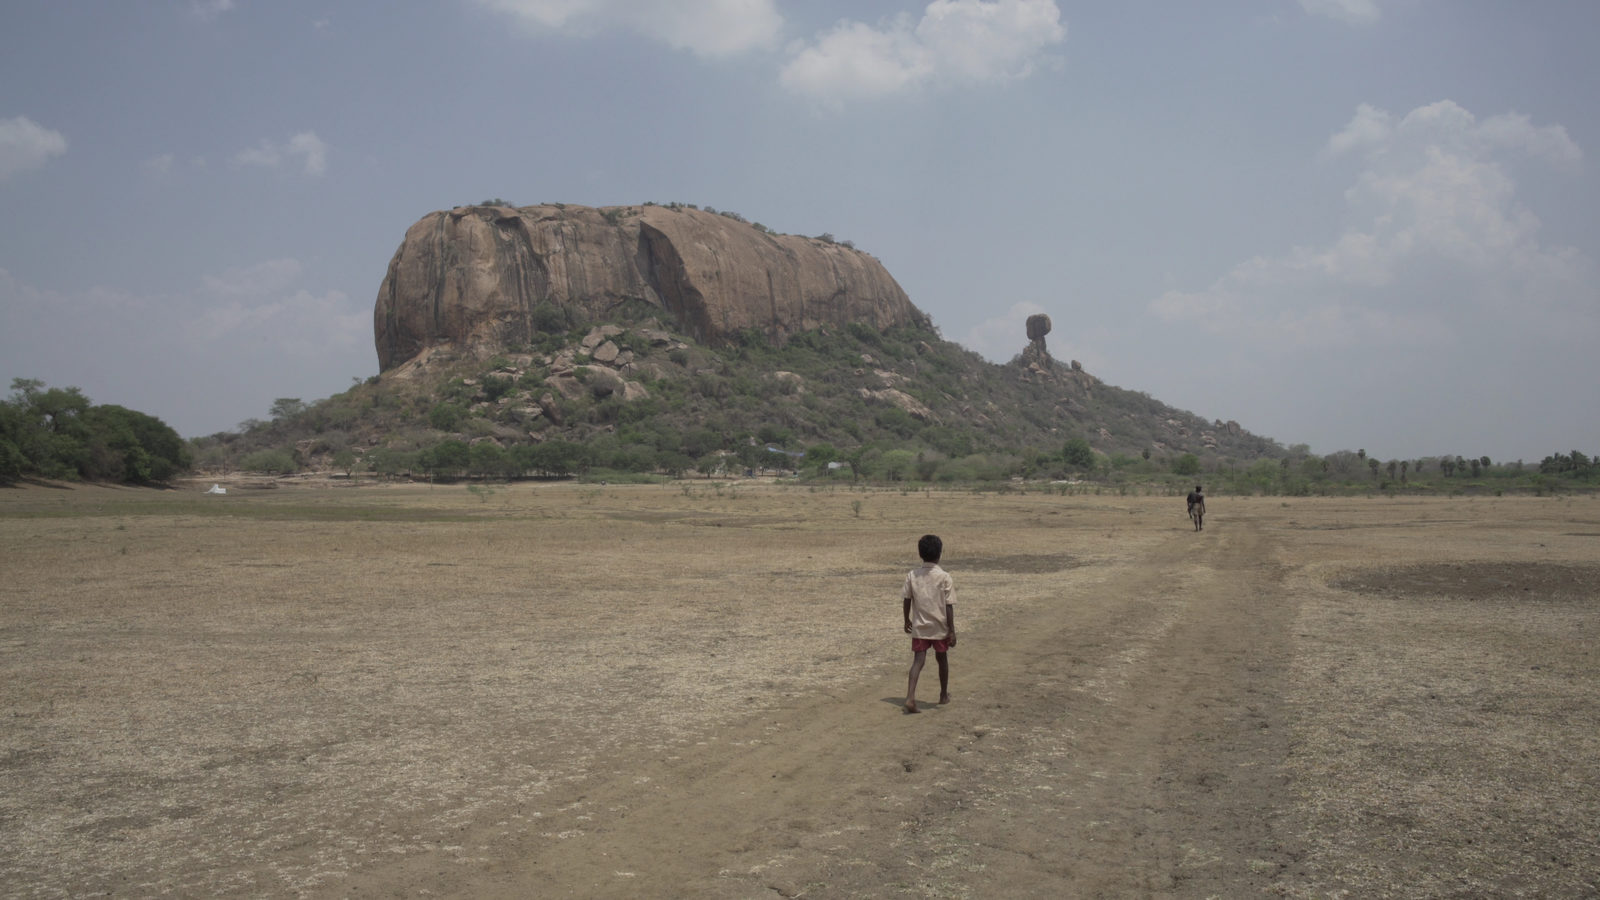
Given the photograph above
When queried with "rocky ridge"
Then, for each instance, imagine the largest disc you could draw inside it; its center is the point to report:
(482, 278)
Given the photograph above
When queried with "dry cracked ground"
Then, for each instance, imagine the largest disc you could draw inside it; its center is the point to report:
(693, 690)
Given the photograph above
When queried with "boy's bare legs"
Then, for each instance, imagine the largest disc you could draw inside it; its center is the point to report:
(917, 659)
(943, 659)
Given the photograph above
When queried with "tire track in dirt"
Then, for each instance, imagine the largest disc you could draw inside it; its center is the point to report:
(1128, 744)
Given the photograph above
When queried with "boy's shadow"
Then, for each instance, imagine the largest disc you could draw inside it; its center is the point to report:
(924, 705)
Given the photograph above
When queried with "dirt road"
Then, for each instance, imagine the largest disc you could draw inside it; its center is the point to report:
(1125, 740)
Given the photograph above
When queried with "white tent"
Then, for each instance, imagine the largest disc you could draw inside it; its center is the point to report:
(217, 489)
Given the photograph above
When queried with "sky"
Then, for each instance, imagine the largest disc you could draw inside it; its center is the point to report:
(1346, 223)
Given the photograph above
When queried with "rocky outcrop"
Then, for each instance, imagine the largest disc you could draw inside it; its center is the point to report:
(1035, 356)
(485, 277)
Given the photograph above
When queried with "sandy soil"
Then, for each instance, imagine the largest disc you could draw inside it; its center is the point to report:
(557, 690)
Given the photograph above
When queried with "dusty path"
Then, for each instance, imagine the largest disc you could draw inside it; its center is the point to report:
(1124, 740)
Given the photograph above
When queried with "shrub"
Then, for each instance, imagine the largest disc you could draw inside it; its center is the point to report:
(446, 416)
(445, 457)
(269, 462)
(1077, 454)
(10, 463)
(487, 458)
(548, 318)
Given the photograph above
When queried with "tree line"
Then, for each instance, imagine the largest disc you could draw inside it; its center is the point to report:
(58, 433)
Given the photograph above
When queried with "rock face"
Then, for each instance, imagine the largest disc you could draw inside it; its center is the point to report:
(483, 277)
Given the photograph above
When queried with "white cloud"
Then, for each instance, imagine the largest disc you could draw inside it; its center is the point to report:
(1356, 12)
(704, 27)
(305, 147)
(210, 9)
(1371, 128)
(955, 41)
(301, 324)
(267, 277)
(311, 150)
(261, 300)
(1003, 336)
(1441, 243)
(159, 166)
(206, 357)
(25, 145)
(1447, 126)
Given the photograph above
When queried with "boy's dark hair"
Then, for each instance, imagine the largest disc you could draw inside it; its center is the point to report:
(930, 548)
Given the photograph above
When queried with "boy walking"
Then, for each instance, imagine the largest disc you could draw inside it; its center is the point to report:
(1197, 508)
(930, 613)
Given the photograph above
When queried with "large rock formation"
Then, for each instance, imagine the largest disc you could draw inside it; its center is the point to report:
(1035, 355)
(475, 276)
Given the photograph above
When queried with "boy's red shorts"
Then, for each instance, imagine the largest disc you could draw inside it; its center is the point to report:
(918, 645)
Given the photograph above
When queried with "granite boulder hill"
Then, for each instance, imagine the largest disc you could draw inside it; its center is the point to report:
(481, 278)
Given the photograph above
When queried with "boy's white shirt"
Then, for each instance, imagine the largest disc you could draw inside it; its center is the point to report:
(930, 588)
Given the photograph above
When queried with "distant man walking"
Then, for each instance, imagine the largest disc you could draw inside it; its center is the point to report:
(1197, 508)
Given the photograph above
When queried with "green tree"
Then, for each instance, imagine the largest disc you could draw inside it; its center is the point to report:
(897, 463)
(495, 387)
(1187, 464)
(11, 462)
(345, 461)
(1077, 454)
(58, 433)
(126, 445)
(751, 456)
(48, 428)
(698, 442)
(487, 458)
(286, 408)
(674, 463)
(387, 461)
(547, 318)
(555, 457)
(275, 461)
(446, 416)
(445, 457)
(819, 455)
(856, 460)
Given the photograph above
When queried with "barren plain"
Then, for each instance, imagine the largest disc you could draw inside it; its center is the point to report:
(692, 690)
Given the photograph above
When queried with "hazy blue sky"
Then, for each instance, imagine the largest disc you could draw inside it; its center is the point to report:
(1351, 223)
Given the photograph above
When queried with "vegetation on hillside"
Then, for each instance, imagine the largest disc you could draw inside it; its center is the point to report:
(57, 433)
(890, 405)
(850, 404)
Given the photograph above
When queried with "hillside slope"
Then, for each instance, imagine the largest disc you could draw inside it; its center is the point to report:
(632, 394)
